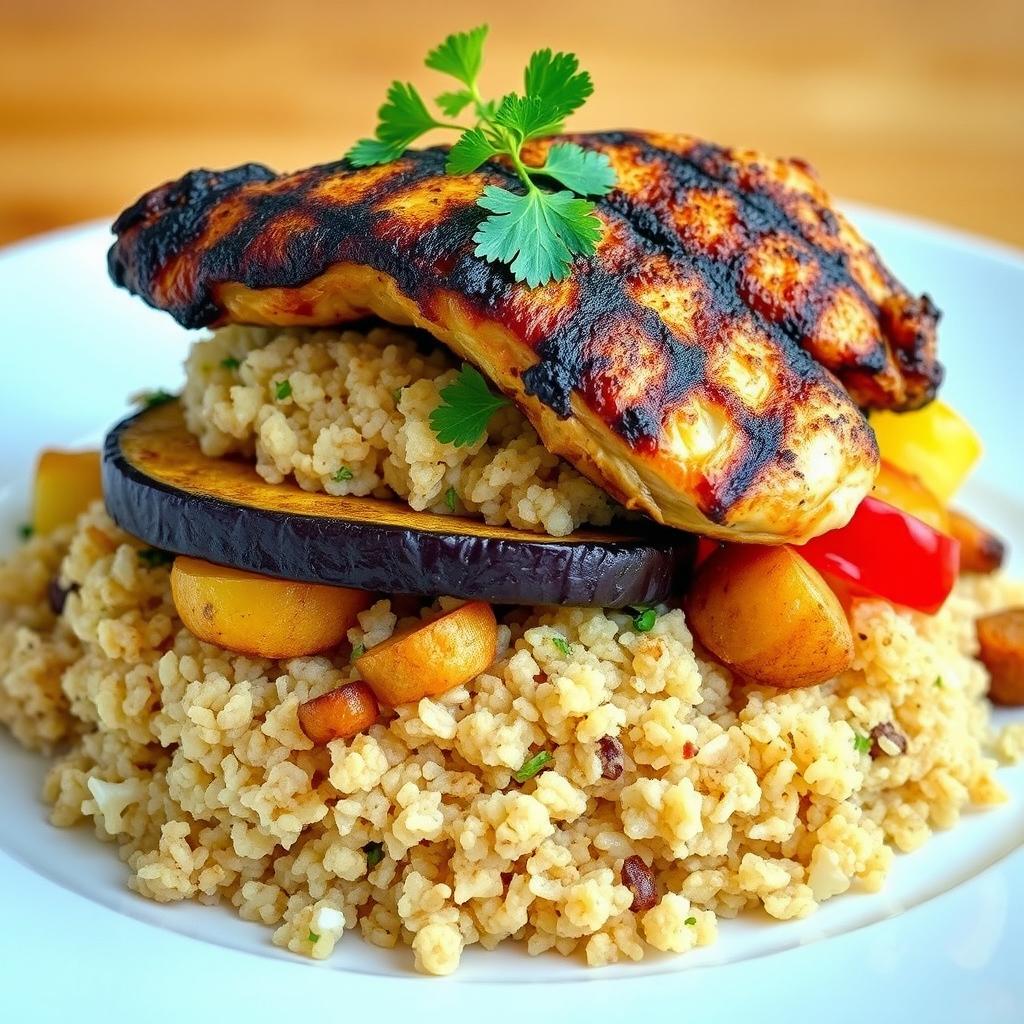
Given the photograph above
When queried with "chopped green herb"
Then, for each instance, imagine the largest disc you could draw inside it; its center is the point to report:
(25, 530)
(690, 921)
(153, 558)
(467, 405)
(283, 390)
(533, 765)
(374, 854)
(536, 232)
(231, 363)
(358, 651)
(862, 744)
(343, 474)
(151, 399)
(645, 618)
(450, 497)
(397, 395)
(313, 937)
(939, 683)
(562, 644)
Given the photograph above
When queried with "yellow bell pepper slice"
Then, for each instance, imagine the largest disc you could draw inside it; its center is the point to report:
(935, 443)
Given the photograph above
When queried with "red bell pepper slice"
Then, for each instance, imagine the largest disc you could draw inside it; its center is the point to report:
(884, 552)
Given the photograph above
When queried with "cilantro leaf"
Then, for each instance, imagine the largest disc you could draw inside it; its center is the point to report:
(313, 937)
(533, 765)
(342, 475)
(283, 389)
(472, 149)
(528, 116)
(450, 498)
(583, 171)
(557, 82)
(374, 854)
(453, 103)
(691, 921)
(460, 55)
(862, 744)
(231, 363)
(402, 119)
(369, 152)
(537, 234)
(467, 405)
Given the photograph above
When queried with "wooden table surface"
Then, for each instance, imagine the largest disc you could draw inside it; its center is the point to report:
(916, 105)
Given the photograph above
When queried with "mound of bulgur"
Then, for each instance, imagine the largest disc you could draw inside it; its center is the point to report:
(191, 759)
(348, 413)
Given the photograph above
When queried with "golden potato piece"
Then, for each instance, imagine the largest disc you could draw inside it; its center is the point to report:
(770, 616)
(339, 714)
(67, 483)
(1001, 643)
(259, 615)
(909, 494)
(433, 657)
(980, 549)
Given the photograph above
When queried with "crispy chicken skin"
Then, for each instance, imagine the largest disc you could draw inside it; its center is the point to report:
(706, 366)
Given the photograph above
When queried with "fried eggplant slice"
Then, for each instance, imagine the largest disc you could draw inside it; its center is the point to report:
(707, 366)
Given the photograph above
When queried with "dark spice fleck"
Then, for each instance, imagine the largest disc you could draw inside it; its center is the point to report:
(611, 754)
(889, 732)
(58, 595)
(638, 878)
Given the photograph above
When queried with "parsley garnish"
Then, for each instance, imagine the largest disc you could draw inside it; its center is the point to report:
(467, 405)
(939, 683)
(26, 530)
(374, 854)
(151, 399)
(645, 618)
(862, 744)
(450, 498)
(358, 651)
(343, 474)
(283, 390)
(231, 363)
(537, 232)
(533, 765)
(562, 644)
(690, 921)
(313, 937)
(153, 558)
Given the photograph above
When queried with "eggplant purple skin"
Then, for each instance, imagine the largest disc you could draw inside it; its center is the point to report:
(390, 559)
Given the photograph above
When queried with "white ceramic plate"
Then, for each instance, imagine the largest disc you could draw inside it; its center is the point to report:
(944, 932)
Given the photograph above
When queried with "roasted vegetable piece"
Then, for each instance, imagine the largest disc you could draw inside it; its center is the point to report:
(906, 491)
(980, 549)
(66, 484)
(706, 365)
(883, 552)
(1001, 650)
(259, 615)
(935, 443)
(770, 616)
(339, 713)
(433, 657)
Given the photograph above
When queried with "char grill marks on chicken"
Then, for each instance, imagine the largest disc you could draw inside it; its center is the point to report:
(690, 366)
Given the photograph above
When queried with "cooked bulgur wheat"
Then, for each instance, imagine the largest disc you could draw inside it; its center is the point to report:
(191, 759)
(348, 413)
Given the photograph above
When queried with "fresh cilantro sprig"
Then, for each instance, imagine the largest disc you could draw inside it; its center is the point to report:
(537, 232)
(467, 405)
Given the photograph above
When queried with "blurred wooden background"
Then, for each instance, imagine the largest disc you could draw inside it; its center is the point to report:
(911, 104)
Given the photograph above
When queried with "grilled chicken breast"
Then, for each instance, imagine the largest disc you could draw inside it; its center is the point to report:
(707, 365)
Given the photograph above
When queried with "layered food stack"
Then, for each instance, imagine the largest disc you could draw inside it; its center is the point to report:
(552, 541)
